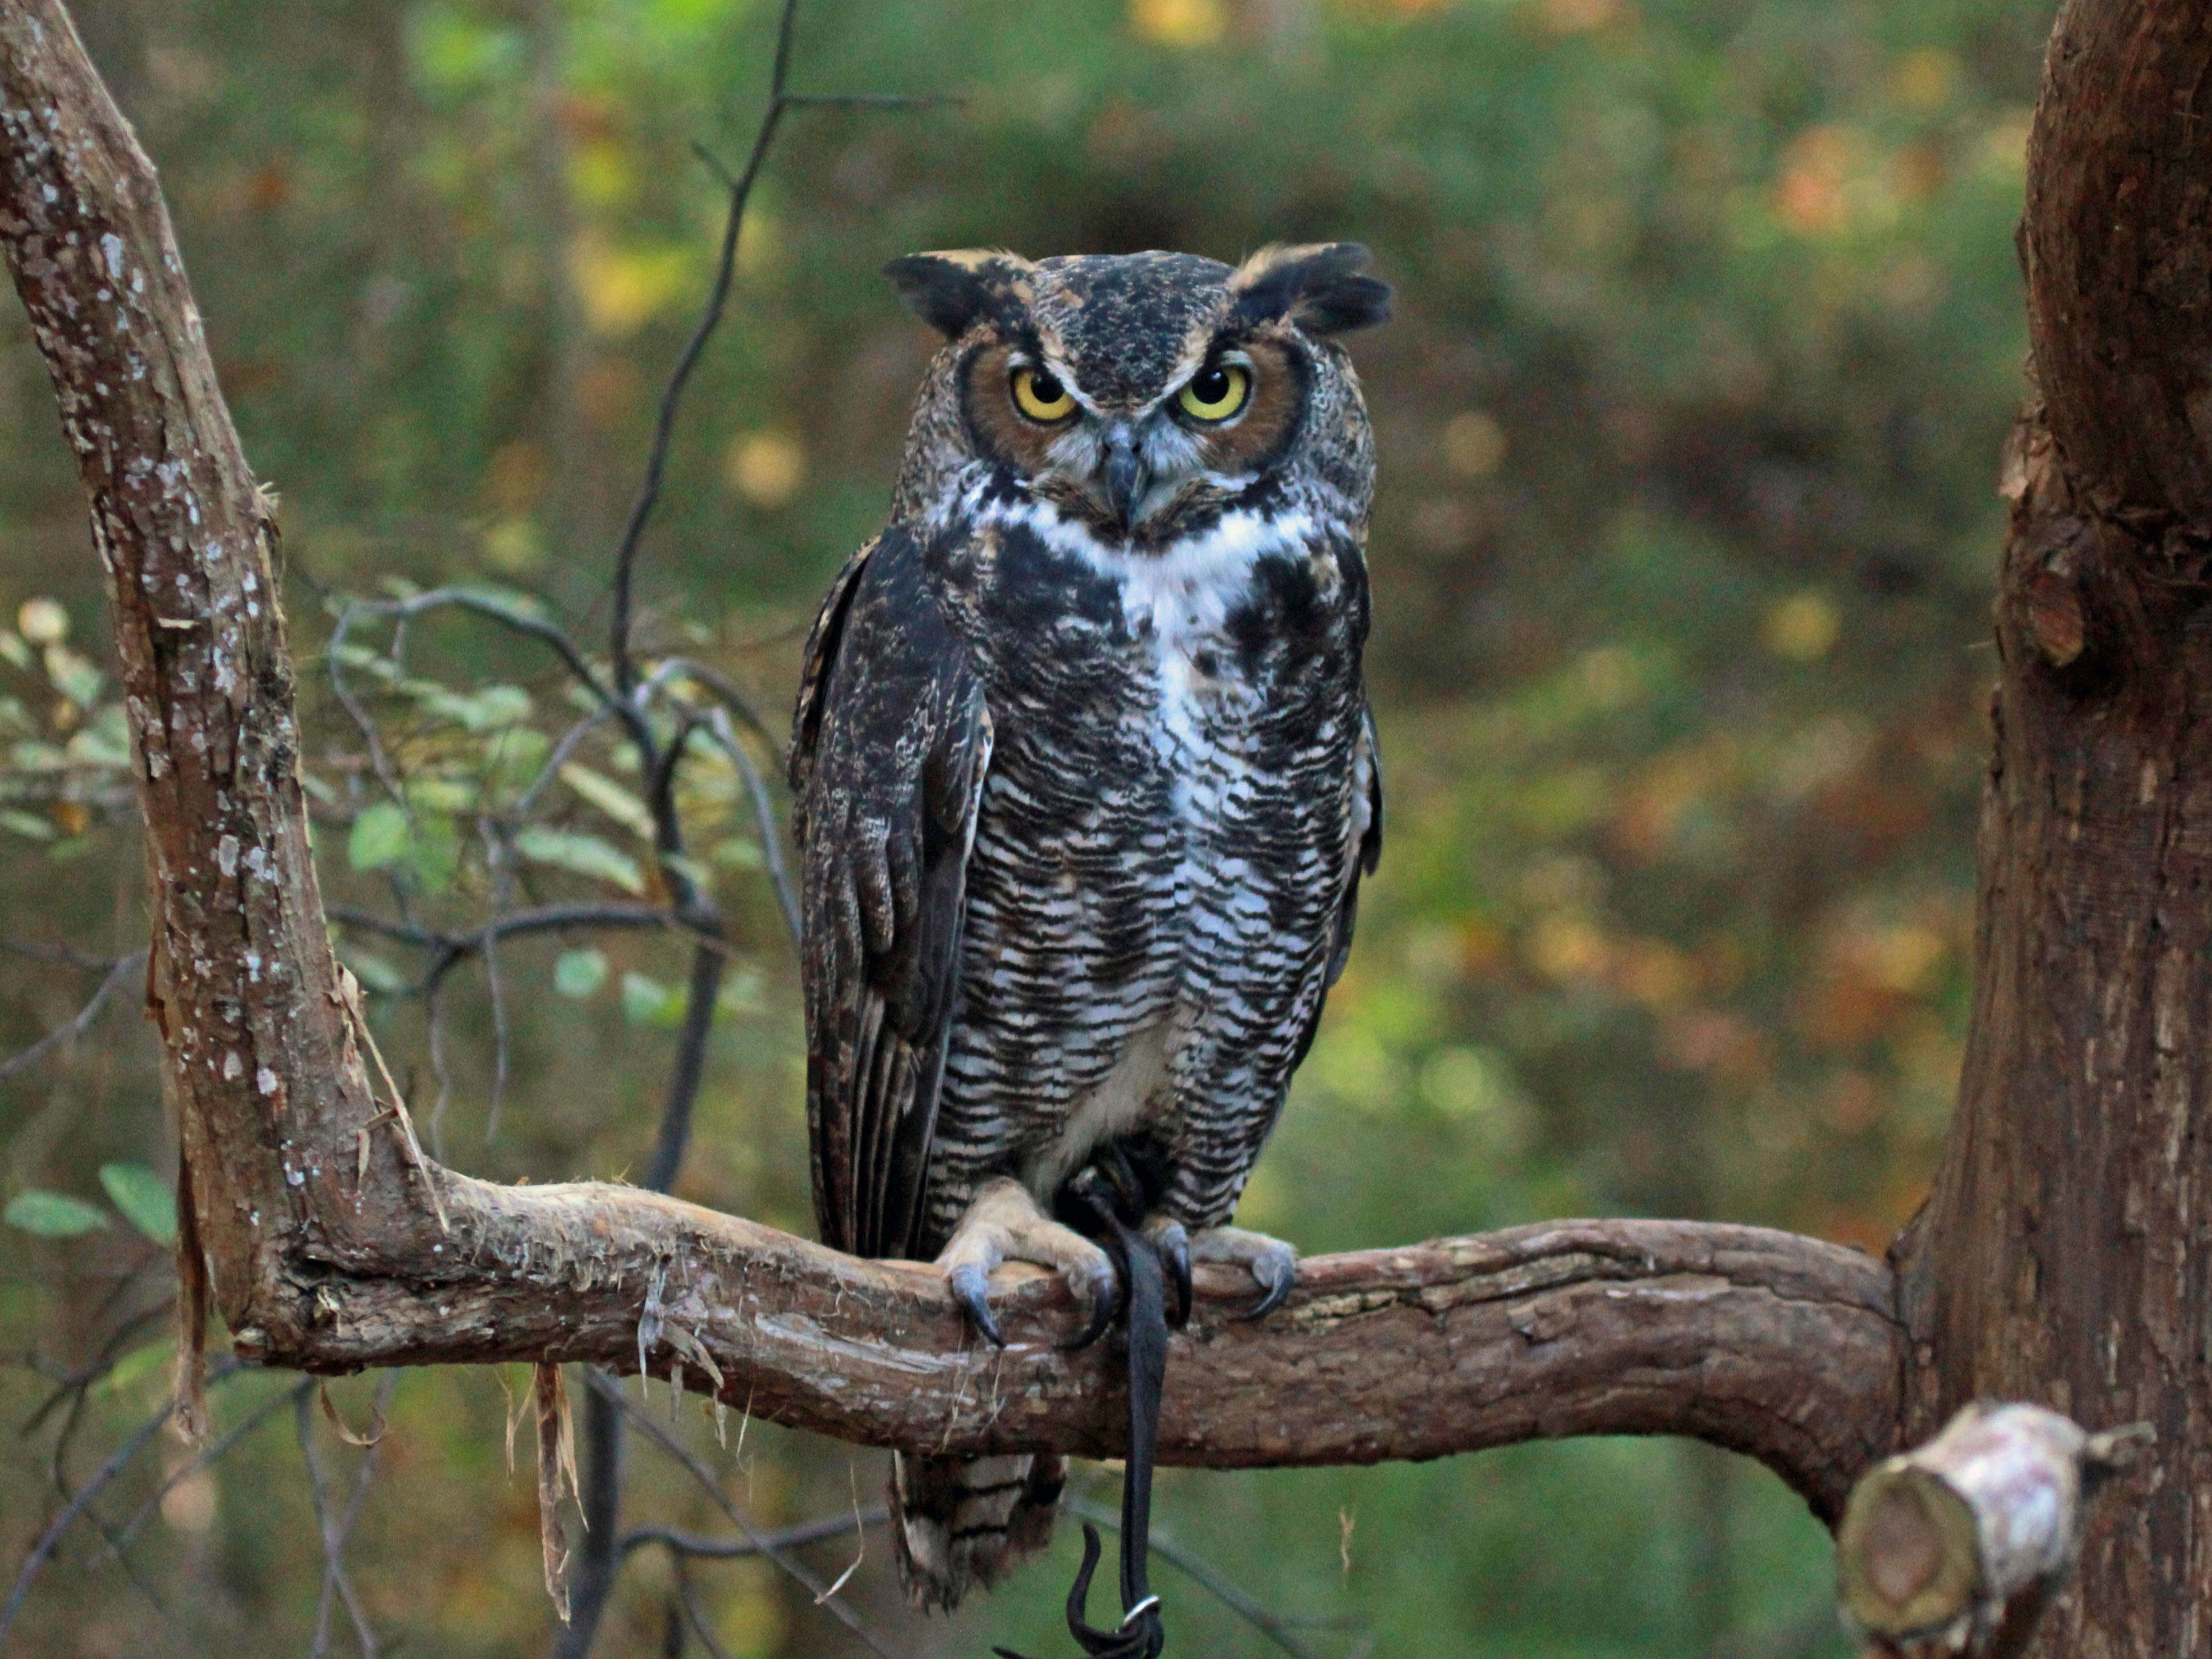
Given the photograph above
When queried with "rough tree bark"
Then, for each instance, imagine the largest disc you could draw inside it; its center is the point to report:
(2061, 1258)
(2054, 1263)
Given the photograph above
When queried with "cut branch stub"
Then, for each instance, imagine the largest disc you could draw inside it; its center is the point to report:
(1955, 1547)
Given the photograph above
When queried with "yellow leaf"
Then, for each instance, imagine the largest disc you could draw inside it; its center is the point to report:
(624, 289)
(1179, 23)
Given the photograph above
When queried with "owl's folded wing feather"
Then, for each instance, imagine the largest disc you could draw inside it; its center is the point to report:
(888, 752)
(1364, 852)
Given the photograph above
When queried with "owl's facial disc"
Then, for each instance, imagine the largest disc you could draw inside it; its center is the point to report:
(1134, 460)
(1137, 463)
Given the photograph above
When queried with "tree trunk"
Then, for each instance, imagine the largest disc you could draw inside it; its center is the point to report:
(2060, 1258)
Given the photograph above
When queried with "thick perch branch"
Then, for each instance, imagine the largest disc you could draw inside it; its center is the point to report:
(1772, 1344)
(326, 1255)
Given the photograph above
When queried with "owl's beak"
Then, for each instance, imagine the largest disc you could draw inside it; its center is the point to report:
(1123, 471)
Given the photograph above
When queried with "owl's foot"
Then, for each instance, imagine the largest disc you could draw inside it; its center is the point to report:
(1270, 1261)
(1003, 1224)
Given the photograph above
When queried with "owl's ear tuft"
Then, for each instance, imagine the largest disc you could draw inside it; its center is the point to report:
(1320, 286)
(950, 290)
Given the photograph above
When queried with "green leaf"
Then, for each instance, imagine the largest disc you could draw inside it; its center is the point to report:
(74, 676)
(585, 855)
(649, 1002)
(434, 854)
(52, 1215)
(141, 1364)
(104, 741)
(374, 973)
(516, 754)
(429, 793)
(485, 710)
(610, 798)
(380, 836)
(144, 1198)
(740, 994)
(737, 853)
(27, 824)
(580, 973)
(690, 868)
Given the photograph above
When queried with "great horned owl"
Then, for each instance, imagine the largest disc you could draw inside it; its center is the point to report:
(1085, 781)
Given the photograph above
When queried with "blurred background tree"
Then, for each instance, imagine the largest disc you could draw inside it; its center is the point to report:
(1708, 331)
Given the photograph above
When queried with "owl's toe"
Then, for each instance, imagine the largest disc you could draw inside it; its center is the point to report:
(971, 1287)
(1277, 1271)
(1102, 1290)
(1272, 1264)
(1003, 1224)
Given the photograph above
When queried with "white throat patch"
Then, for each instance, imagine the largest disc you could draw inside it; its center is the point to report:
(1182, 594)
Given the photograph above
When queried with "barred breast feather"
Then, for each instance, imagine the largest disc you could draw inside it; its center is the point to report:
(1076, 836)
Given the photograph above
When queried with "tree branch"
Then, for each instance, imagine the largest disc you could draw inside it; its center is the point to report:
(1778, 1347)
(80, 1023)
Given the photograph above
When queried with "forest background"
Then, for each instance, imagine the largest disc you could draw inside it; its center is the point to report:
(1709, 332)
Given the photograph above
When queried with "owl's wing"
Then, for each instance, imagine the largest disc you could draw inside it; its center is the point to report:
(889, 751)
(1367, 827)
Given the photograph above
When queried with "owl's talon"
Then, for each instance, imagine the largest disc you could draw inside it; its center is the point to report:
(1003, 1224)
(1173, 1243)
(1272, 1264)
(970, 1288)
(1105, 1293)
(1277, 1273)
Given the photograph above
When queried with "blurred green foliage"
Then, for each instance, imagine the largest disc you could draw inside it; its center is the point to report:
(1709, 333)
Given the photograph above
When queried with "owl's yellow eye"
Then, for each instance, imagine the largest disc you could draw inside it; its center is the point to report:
(1039, 395)
(1216, 393)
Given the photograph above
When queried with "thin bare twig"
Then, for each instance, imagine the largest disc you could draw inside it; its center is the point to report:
(118, 974)
(332, 1532)
(209, 1454)
(740, 187)
(119, 1460)
(699, 1545)
(499, 857)
(564, 751)
(729, 692)
(72, 1388)
(441, 1073)
(695, 1614)
(51, 1536)
(540, 919)
(672, 394)
(602, 1383)
(363, 1474)
(779, 873)
(68, 955)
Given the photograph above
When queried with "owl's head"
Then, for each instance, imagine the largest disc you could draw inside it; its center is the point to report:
(1144, 393)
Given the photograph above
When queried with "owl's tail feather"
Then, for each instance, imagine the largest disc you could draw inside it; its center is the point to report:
(964, 1521)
